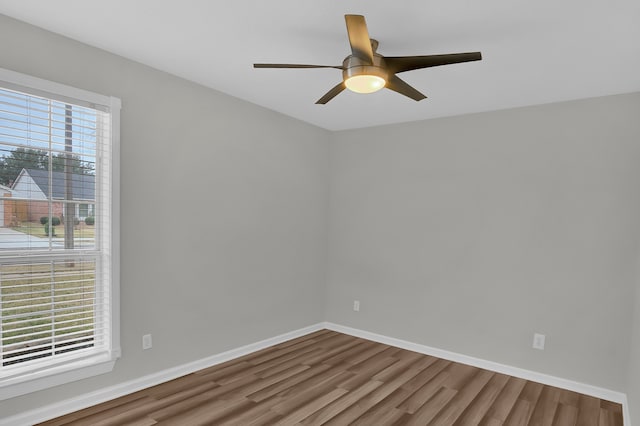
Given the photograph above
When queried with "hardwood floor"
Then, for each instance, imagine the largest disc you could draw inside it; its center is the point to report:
(328, 378)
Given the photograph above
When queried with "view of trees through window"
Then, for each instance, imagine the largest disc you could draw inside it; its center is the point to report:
(25, 158)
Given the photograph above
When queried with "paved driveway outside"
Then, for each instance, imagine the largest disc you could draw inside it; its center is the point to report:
(10, 239)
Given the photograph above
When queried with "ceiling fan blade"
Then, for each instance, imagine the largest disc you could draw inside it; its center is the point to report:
(295, 66)
(398, 85)
(407, 63)
(331, 93)
(359, 37)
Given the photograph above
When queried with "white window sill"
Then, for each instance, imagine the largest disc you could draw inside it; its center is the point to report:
(21, 384)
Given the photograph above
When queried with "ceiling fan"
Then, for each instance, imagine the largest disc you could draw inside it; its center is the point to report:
(366, 71)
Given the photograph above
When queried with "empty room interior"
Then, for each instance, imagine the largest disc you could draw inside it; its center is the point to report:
(199, 227)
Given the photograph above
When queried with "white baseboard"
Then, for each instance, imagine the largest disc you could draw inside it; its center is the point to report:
(106, 394)
(545, 379)
(78, 403)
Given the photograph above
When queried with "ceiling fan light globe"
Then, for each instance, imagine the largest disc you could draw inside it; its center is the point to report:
(365, 83)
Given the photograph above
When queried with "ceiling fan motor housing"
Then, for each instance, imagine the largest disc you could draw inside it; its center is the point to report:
(354, 66)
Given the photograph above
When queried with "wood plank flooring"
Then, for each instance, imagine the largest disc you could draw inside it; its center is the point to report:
(328, 378)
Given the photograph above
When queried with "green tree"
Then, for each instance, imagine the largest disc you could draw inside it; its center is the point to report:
(26, 158)
(21, 158)
(78, 166)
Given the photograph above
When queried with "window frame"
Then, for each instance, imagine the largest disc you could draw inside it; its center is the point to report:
(37, 377)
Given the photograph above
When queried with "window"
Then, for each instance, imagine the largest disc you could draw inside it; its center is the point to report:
(59, 283)
(83, 211)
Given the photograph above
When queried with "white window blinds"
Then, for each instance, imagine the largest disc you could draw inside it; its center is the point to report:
(56, 295)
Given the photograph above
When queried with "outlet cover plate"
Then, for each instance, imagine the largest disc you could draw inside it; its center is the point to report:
(147, 343)
(538, 341)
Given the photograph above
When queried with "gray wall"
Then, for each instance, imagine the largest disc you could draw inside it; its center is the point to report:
(471, 233)
(223, 211)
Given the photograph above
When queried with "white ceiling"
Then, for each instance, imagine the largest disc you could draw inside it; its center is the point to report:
(534, 51)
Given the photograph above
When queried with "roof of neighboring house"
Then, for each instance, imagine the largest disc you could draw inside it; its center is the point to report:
(83, 186)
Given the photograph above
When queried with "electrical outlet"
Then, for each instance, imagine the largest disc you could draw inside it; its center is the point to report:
(146, 342)
(356, 305)
(538, 341)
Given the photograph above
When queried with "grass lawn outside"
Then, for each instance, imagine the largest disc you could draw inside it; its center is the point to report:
(81, 230)
(29, 327)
